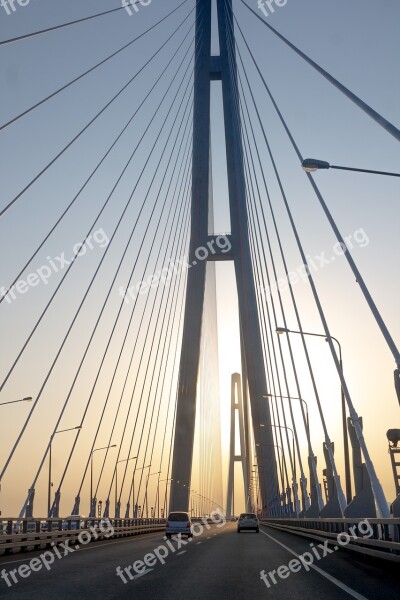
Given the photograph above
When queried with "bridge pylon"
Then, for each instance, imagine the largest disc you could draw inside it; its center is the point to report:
(219, 68)
(243, 457)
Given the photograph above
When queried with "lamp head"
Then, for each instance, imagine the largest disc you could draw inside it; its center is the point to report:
(313, 164)
(393, 436)
(280, 330)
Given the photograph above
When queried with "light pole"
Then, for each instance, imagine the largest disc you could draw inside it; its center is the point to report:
(26, 399)
(279, 331)
(310, 165)
(91, 474)
(293, 398)
(133, 487)
(116, 478)
(192, 504)
(168, 480)
(50, 484)
(147, 483)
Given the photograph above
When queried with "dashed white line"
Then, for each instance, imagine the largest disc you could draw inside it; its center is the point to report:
(197, 543)
(182, 552)
(333, 580)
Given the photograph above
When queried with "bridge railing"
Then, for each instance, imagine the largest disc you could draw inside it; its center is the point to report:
(26, 534)
(370, 536)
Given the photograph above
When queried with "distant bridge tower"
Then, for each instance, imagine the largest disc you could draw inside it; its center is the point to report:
(243, 457)
(221, 68)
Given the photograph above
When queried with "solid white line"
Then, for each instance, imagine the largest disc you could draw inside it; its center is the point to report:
(182, 552)
(132, 539)
(332, 579)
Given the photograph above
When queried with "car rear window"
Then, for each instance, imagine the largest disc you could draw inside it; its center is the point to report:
(248, 516)
(178, 516)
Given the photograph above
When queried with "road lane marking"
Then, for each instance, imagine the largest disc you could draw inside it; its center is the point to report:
(197, 543)
(330, 578)
(182, 552)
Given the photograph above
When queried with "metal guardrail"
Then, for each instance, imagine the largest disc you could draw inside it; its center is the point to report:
(33, 533)
(383, 543)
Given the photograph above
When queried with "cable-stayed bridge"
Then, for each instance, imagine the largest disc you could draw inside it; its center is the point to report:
(165, 304)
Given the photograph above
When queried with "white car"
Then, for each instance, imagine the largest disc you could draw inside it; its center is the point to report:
(178, 522)
(248, 521)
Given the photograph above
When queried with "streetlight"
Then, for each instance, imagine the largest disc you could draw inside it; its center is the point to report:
(26, 399)
(133, 487)
(293, 398)
(310, 165)
(91, 474)
(50, 484)
(192, 504)
(279, 331)
(147, 483)
(169, 479)
(116, 478)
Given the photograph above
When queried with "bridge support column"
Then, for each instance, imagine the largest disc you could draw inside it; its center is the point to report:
(236, 405)
(190, 353)
(207, 68)
(106, 512)
(246, 421)
(333, 507)
(296, 501)
(55, 510)
(363, 503)
(29, 505)
(75, 510)
(92, 511)
(315, 507)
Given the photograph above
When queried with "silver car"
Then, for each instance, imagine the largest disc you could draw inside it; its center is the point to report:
(178, 523)
(248, 521)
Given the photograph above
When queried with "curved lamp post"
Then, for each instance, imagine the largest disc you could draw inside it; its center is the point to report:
(91, 473)
(279, 331)
(310, 165)
(26, 399)
(49, 483)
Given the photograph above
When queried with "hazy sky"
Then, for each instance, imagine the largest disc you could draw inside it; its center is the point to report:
(358, 43)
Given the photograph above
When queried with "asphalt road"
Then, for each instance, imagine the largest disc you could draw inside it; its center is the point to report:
(218, 564)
